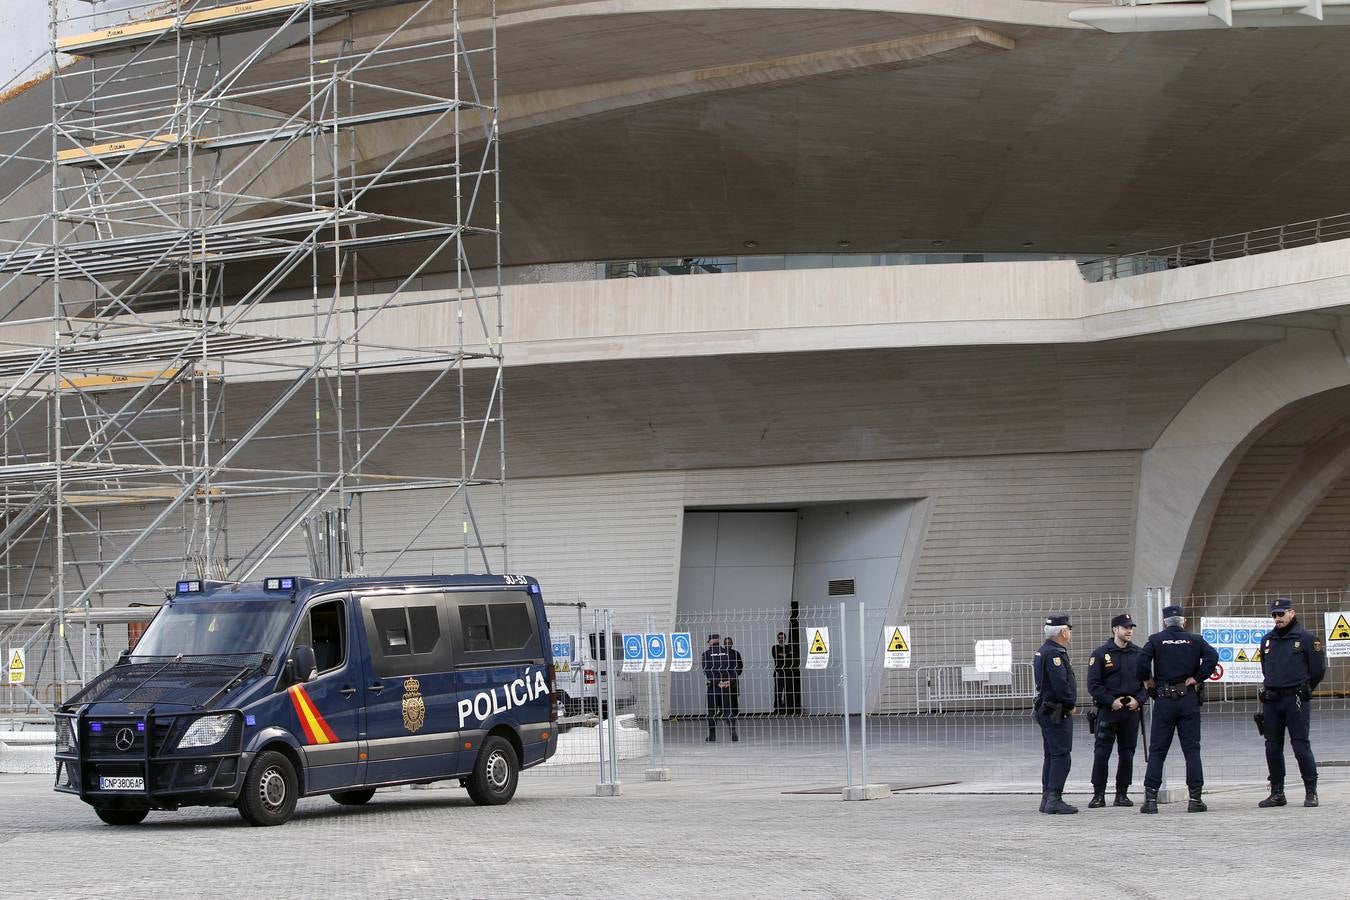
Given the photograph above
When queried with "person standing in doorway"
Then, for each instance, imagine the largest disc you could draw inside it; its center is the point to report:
(1056, 697)
(1174, 665)
(1292, 665)
(737, 666)
(1119, 694)
(717, 670)
(782, 660)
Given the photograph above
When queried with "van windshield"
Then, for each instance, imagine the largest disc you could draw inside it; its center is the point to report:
(215, 628)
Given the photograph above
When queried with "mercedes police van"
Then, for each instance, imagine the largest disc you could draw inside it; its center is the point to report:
(254, 695)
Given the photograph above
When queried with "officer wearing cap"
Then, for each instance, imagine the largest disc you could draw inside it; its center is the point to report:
(1056, 696)
(1116, 688)
(1292, 665)
(1173, 664)
(717, 668)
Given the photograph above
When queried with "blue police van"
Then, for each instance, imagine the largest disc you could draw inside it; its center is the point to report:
(254, 695)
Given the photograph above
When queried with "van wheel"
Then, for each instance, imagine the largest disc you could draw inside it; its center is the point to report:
(270, 790)
(121, 816)
(495, 774)
(354, 798)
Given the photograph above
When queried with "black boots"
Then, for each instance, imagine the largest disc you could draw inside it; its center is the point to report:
(1098, 800)
(1196, 804)
(1052, 803)
(1150, 801)
(1122, 799)
(1276, 797)
(1310, 797)
(712, 734)
(734, 736)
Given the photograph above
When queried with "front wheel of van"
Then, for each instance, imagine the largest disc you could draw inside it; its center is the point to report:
(121, 816)
(495, 774)
(354, 798)
(270, 790)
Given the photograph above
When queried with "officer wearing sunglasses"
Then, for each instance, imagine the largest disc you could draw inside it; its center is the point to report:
(1292, 664)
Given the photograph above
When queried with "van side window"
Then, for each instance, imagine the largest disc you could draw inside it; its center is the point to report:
(510, 626)
(324, 628)
(473, 621)
(407, 634)
(495, 628)
(392, 627)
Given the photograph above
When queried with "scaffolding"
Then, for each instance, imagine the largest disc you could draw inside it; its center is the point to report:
(188, 353)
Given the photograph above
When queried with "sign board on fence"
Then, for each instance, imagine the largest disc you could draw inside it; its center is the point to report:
(1238, 640)
(897, 646)
(1338, 634)
(656, 652)
(817, 648)
(681, 652)
(564, 652)
(17, 665)
(632, 653)
(993, 656)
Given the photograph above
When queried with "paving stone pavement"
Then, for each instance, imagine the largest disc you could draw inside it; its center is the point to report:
(691, 837)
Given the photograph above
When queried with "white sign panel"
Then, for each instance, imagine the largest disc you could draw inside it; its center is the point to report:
(1338, 634)
(17, 665)
(993, 656)
(633, 659)
(897, 646)
(817, 648)
(681, 652)
(1238, 640)
(656, 652)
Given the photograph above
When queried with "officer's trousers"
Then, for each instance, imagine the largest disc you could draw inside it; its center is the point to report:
(1058, 746)
(1181, 717)
(719, 703)
(1119, 729)
(781, 701)
(1294, 715)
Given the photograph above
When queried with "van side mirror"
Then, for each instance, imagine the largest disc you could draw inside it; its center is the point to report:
(302, 664)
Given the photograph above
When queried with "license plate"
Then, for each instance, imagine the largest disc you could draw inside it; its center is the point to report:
(121, 784)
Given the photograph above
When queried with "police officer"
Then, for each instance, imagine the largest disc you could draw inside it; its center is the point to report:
(1173, 665)
(717, 668)
(1056, 696)
(1119, 693)
(1292, 665)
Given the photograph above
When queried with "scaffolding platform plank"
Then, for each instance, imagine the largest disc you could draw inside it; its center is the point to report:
(114, 149)
(226, 19)
(89, 356)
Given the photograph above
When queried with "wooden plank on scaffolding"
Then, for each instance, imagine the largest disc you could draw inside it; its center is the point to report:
(116, 380)
(114, 149)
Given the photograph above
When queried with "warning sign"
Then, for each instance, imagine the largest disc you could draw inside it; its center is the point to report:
(18, 666)
(1338, 634)
(1241, 655)
(1238, 640)
(817, 648)
(897, 646)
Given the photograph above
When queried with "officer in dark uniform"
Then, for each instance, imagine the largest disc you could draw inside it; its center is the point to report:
(782, 663)
(1119, 693)
(1056, 696)
(717, 668)
(1292, 664)
(1174, 665)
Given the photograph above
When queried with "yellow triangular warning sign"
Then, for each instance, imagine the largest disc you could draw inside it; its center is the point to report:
(16, 662)
(1256, 656)
(1242, 656)
(818, 644)
(897, 643)
(1341, 630)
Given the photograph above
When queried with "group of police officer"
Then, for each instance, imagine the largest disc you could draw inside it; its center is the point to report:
(1170, 669)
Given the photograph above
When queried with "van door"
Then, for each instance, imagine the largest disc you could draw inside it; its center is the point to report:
(327, 710)
(408, 689)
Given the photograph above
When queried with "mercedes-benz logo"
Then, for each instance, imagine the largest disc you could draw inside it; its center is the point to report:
(125, 740)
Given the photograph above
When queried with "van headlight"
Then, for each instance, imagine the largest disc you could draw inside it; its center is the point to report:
(206, 731)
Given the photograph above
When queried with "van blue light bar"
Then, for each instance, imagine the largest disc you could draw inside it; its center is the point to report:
(188, 587)
(279, 584)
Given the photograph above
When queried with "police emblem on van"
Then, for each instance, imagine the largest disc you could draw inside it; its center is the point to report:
(414, 708)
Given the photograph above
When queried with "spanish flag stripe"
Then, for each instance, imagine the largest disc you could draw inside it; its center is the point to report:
(316, 729)
(293, 691)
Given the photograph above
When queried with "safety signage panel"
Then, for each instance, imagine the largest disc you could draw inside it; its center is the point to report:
(17, 665)
(897, 646)
(1238, 640)
(817, 648)
(681, 652)
(564, 652)
(1338, 634)
(993, 656)
(633, 659)
(656, 652)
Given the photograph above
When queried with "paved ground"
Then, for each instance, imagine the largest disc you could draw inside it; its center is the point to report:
(691, 837)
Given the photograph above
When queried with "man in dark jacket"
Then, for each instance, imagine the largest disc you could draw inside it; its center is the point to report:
(1056, 697)
(1175, 663)
(1119, 694)
(1292, 664)
(737, 666)
(717, 668)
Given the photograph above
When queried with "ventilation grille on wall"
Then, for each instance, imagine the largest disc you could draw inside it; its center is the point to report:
(841, 587)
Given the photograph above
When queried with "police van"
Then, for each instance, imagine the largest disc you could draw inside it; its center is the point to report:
(254, 695)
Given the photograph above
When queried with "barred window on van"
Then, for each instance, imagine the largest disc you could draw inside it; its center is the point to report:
(392, 628)
(474, 623)
(499, 626)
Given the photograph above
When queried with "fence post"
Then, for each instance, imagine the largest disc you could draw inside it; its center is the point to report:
(843, 695)
(657, 771)
(604, 664)
(863, 790)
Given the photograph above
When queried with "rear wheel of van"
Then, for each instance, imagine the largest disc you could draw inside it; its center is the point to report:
(270, 790)
(495, 774)
(354, 798)
(121, 816)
